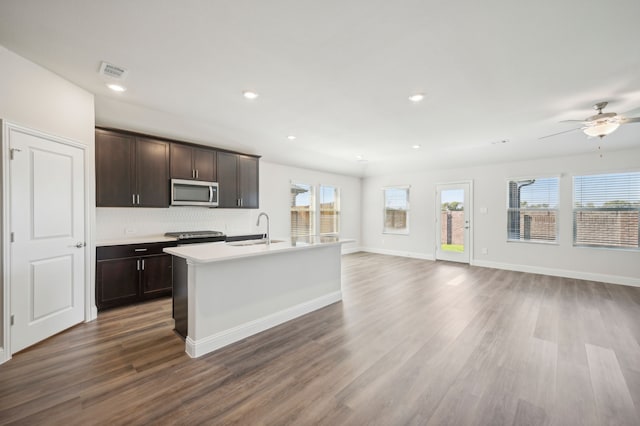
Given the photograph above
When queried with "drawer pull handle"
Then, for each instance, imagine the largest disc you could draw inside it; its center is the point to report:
(140, 249)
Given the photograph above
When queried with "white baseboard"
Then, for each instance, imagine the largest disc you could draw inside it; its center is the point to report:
(424, 256)
(350, 250)
(196, 348)
(2, 356)
(565, 273)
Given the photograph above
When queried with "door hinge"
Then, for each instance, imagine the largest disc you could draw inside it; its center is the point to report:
(12, 237)
(12, 150)
(12, 319)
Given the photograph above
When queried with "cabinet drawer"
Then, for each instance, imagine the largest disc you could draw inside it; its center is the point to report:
(131, 250)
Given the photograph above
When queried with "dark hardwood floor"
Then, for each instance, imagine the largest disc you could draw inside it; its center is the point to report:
(413, 342)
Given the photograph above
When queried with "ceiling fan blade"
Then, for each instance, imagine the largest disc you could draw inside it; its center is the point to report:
(630, 120)
(560, 133)
(632, 112)
(571, 121)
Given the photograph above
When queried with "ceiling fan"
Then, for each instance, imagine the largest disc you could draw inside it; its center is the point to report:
(599, 125)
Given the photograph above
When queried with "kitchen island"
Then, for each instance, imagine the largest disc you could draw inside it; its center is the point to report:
(225, 292)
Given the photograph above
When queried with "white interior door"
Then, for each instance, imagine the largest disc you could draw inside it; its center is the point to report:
(453, 222)
(47, 232)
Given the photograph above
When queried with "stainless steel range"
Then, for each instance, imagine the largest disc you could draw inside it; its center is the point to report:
(190, 237)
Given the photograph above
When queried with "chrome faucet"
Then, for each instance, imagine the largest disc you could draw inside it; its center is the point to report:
(258, 224)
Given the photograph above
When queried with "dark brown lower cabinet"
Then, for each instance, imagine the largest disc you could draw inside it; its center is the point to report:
(117, 282)
(129, 274)
(156, 276)
(180, 296)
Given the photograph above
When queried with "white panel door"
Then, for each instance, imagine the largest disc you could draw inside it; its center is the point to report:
(47, 224)
(453, 222)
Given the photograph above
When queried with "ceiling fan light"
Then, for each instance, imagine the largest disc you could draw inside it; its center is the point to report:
(601, 129)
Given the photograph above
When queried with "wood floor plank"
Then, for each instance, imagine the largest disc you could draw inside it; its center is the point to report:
(413, 342)
(614, 402)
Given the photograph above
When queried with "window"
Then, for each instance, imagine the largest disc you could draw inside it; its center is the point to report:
(532, 210)
(396, 210)
(329, 210)
(302, 210)
(606, 209)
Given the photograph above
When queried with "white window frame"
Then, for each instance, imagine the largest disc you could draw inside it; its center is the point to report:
(336, 190)
(512, 210)
(396, 231)
(312, 208)
(576, 210)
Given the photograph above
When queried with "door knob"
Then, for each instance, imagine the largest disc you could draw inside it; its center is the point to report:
(80, 245)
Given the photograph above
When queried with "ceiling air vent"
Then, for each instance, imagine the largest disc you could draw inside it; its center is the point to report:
(112, 71)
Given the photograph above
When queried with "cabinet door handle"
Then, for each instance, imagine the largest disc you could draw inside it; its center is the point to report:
(138, 196)
(138, 265)
(143, 264)
(133, 198)
(197, 173)
(193, 174)
(140, 249)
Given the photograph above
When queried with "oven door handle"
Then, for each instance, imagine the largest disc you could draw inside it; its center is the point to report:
(211, 194)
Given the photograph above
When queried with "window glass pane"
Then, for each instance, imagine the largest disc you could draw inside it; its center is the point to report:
(606, 210)
(452, 220)
(396, 211)
(302, 210)
(532, 210)
(329, 210)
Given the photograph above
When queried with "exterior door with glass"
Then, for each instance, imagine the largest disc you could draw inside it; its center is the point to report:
(453, 222)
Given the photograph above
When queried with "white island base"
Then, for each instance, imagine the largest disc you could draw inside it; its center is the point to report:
(235, 292)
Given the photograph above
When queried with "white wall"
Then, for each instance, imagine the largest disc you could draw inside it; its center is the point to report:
(489, 230)
(33, 97)
(122, 223)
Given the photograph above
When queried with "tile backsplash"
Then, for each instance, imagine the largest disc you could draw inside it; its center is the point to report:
(119, 223)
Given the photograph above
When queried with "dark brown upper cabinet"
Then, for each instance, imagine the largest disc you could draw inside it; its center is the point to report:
(189, 162)
(238, 181)
(131, 171)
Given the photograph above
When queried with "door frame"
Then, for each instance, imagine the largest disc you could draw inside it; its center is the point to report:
(90, 310)
(468, 208)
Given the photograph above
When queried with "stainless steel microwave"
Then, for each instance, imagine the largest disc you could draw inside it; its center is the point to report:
(194, 193)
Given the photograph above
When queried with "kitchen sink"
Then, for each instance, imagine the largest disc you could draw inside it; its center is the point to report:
(252, 242)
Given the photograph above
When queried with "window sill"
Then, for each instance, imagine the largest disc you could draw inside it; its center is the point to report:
(546, 243)
(628, 249)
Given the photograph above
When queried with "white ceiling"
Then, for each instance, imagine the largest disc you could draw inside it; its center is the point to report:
(337, 74)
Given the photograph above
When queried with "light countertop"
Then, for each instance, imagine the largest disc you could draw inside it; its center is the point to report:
(217, 252)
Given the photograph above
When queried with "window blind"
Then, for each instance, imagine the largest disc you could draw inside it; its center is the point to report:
(606, 209)
(396, 210)
(302, 210)
(532, 210)
(329, 210)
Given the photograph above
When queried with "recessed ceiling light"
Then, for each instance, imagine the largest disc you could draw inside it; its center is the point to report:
(416, 97)
(415, 146)
(249, 94)
(291, 137)
(116, 87)
(500, 142)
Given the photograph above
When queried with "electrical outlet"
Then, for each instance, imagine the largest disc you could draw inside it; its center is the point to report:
(485, 250)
